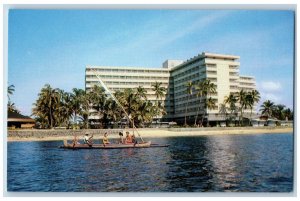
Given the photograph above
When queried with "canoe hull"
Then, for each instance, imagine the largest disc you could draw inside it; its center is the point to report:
(108, 146)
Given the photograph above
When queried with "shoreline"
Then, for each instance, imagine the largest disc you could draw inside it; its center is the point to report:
(56, 135)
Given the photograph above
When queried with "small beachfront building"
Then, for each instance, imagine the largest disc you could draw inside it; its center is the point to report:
(16, 120)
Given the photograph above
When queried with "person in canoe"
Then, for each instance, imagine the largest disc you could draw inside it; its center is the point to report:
(128, 138)
(75, 141)
(133, 139)
(121, 139)
(105, 139)
(88, 139)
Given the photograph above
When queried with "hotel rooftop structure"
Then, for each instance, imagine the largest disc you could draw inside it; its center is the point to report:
(220, 69)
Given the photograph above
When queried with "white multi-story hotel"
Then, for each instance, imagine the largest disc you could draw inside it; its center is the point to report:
(222, 70)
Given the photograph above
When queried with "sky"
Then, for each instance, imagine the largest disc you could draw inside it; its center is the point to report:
(54, 46)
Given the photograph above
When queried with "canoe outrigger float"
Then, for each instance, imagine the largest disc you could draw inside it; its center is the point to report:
(111, 146)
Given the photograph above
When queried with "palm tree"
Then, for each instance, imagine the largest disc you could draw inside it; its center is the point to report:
(189, 90)
(63, 110)
(51, 98)
(209, 88)
(200, 89)
(76, 101)
(141, 92)
(145, 113)
(159, 92)
(242, 100)
(288, 114)
(97, 98)
(140, 111)
(231, 100)
(223, 111)
(129, 101)
(86, 102)
(12, 108)
(267, 108)
(10, 90)
(210, 104)
(253, 97)
(112, 110)
(46, 105)
(279, 111)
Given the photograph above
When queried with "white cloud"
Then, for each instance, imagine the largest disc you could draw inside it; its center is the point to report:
(271, 96)
(270, 90)
(270, 86)
(195, 25)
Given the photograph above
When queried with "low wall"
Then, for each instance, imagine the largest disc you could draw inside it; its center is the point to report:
(39, 133)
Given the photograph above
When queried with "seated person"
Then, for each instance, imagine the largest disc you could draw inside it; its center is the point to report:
(133, 139)
(105, 139)
(75, 141)
(121, 140)
(88, 139)
(128, 138)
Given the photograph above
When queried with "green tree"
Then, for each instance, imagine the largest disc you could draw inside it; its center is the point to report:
(141, 92)
(77, 98)
(253, 97)
(112, 110)
(279, 111)
(130, 102)
(231, 100)
(288, 114)
(12, 108)
(46, 104)
(211, 105)
(86, 103)
(209, 89)
(10, 90)
(10, 105)
(200, 91)
(223, 111)
(63, 110)
(140, 111)
(145, 113)
(159, 93)
(267, 108)
(243, 104)
(189, 91)
(97, 97)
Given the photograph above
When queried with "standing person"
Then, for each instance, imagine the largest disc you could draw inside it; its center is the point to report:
(121, 138)
(105, 139)
(128, 139)
(88, 139)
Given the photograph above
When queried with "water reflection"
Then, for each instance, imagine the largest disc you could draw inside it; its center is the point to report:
(190, 170)
(223, 156)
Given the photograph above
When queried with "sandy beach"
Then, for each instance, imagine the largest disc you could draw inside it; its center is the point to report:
(145, 133)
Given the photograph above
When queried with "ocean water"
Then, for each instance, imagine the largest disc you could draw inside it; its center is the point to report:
(227, 163)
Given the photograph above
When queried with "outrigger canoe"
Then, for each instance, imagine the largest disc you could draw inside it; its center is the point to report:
(110, 146)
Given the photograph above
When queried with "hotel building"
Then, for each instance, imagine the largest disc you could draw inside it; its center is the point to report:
(220, 69)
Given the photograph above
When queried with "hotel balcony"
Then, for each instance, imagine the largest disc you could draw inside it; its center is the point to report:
(234, 70)
(210, 68)
(146, 74)
(248, 81)
(233, 75)
(217, 60)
